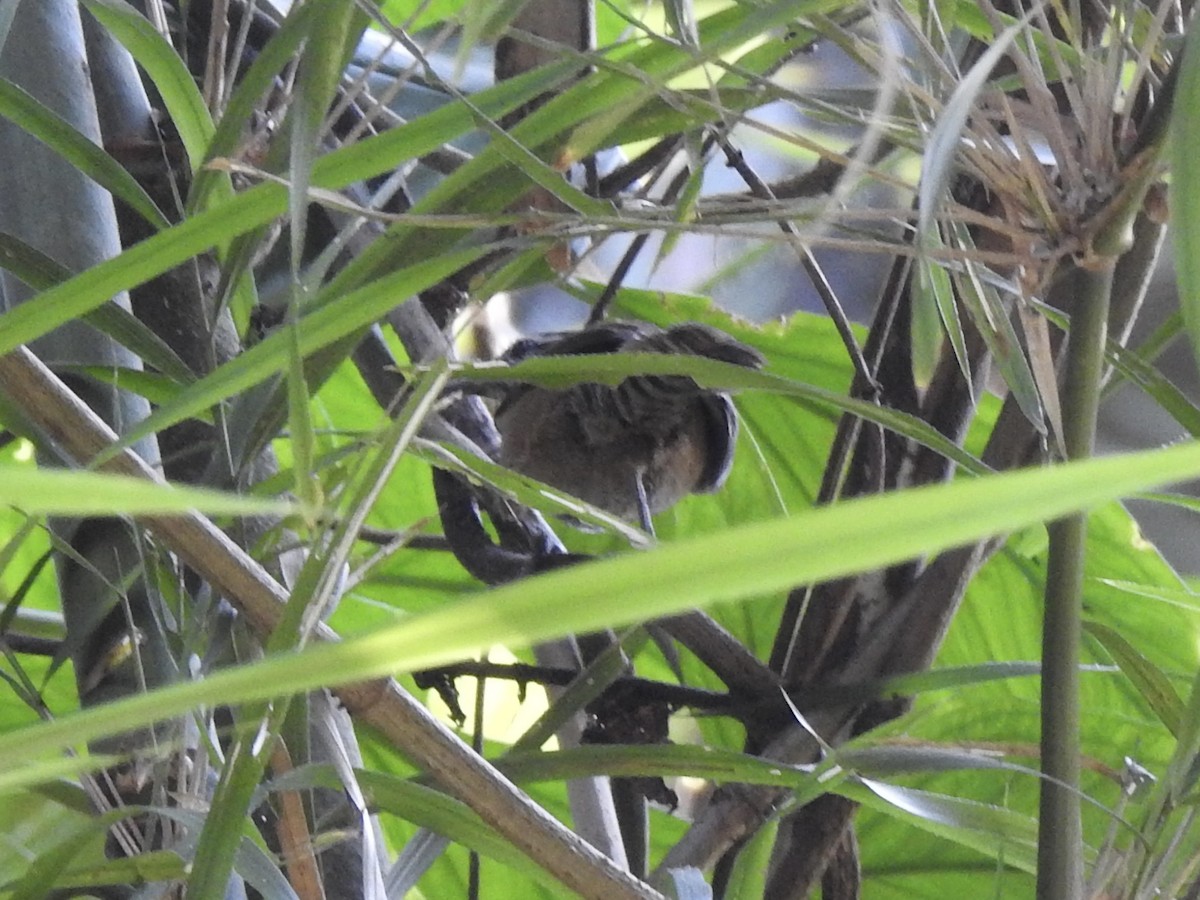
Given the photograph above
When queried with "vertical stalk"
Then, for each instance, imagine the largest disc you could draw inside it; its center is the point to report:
(1060, 830)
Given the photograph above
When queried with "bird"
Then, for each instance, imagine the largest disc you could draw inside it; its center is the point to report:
(634, 449)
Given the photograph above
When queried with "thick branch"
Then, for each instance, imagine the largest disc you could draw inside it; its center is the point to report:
(1060, 830)
(382, 704)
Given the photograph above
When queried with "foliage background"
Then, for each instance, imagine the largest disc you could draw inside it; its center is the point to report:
(949, 791)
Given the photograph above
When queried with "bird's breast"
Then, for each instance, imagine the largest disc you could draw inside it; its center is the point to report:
(599, 459)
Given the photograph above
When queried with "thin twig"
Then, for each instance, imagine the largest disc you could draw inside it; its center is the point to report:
(816, 275)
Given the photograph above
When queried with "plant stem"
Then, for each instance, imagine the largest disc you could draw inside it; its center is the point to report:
(1060, 831)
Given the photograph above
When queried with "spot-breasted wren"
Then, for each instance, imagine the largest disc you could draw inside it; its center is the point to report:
(634, 449)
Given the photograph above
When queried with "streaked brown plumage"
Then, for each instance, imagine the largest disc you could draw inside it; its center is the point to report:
(634, 449)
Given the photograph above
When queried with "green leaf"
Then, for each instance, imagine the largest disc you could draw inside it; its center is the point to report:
(22, 109)
(1001, 833)
(68, 493)
(318, 75)
(279, 51)
(41, 272)
(91, 289)
(613, 368)
(1151, 682)
(742, 562)
(249, 210)
(435, 810)
(272, 356)
(174, 82)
